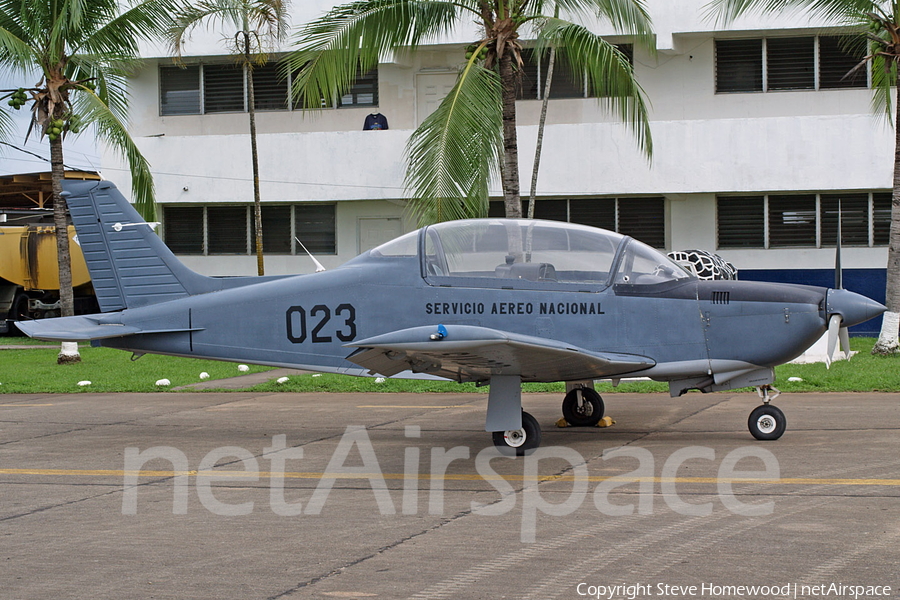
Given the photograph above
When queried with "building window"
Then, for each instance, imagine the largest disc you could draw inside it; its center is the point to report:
(224, 89)
(226, 230)
(270, 90)
(179, 90)
(208, 230)
(566, 82)
(742, 222)
(363, 92)
(792, 63)
(641, 218)
(184, 229)
(803, 220)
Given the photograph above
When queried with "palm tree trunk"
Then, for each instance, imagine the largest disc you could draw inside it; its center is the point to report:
(69, 350)
(890, 325)
(545, 100)
(257, 203)
(512, 201)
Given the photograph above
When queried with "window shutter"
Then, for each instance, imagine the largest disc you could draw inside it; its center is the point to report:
(363, 92)
(276, 223)
(854, 219)
(179, 91)
(792, 221)
(738, 66)
(270, 90)
(527, 82)
(223, 88)
(882, 218)
(315, 227)
(550, 210)
(596, 212)
(566, 82)
(183, 229)
(227, 229)
(741, 221)
(790, 63)
(837, 57)
(643, 219)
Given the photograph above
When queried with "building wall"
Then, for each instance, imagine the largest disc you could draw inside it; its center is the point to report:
(704, 144)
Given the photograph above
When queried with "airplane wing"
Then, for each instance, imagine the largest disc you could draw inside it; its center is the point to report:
(470, 353)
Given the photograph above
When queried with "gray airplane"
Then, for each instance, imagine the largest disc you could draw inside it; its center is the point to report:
(493, 301)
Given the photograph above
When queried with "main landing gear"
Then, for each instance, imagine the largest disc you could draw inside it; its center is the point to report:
(519, 440)
(767, 422)
(581, 407)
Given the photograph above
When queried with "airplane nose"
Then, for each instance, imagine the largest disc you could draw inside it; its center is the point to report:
(852, 307)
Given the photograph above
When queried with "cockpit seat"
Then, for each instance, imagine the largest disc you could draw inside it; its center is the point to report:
(527, 271)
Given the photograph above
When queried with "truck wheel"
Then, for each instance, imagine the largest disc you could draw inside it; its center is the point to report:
(19, 311)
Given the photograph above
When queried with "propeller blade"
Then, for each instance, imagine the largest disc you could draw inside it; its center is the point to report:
(834, 325)
(845, 342)
(838, 271)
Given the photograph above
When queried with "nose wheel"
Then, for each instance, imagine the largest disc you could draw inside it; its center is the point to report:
(767, 422)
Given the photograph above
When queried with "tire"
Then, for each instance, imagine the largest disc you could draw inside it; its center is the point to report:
(767, 422)
(585, 411)
(19, 310)
(519, 441)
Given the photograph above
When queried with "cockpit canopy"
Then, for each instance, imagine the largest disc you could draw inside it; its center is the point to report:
(538, 251)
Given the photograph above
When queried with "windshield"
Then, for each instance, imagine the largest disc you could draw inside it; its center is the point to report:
(520, 249)
(643, 265)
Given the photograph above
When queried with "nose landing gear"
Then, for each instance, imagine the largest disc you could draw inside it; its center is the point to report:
(767, 422)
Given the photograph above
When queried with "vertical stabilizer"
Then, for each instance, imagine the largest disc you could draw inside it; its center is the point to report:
(130, 266)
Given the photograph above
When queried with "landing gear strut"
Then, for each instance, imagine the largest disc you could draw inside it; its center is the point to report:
(767, 422)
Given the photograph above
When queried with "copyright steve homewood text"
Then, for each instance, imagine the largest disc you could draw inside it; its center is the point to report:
(790, 590)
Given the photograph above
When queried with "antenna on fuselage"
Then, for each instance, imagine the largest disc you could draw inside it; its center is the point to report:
(319, 267)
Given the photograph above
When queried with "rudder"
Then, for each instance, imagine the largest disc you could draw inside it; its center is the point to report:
(130, 265)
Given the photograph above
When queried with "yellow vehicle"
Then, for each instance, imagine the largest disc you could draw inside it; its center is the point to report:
(29, 269)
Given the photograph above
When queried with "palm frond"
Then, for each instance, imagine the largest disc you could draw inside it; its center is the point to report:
(267, 18)
(111, 129)
(7, 125)
(454, 153)
(839, 11)
(626, 16)
(350, 38)
(884, 78)
(120, 33)
(609, 73)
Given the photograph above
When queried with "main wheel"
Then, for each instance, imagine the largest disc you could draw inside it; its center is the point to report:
(519, 441)
(582, 407)
(767, 422)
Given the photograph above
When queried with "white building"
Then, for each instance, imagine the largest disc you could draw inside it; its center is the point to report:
(756, 137)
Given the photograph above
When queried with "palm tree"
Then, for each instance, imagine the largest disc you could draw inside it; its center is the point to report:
(259, 24)
(472, 135)
(81, 52)
(879, 23)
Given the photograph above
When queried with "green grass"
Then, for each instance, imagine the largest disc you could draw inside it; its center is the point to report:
(34, 370)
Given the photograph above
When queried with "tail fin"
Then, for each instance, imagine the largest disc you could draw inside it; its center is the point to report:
(130, 266)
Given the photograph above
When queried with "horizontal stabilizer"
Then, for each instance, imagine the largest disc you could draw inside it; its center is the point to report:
(470, 353)
(82, 328)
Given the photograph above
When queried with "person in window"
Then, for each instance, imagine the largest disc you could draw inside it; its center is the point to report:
(375, 121)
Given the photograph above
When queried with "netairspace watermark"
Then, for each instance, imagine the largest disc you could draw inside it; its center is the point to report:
(711, 590)
(532, 501)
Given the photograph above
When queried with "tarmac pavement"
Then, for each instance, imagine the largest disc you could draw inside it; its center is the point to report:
(410, 504)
